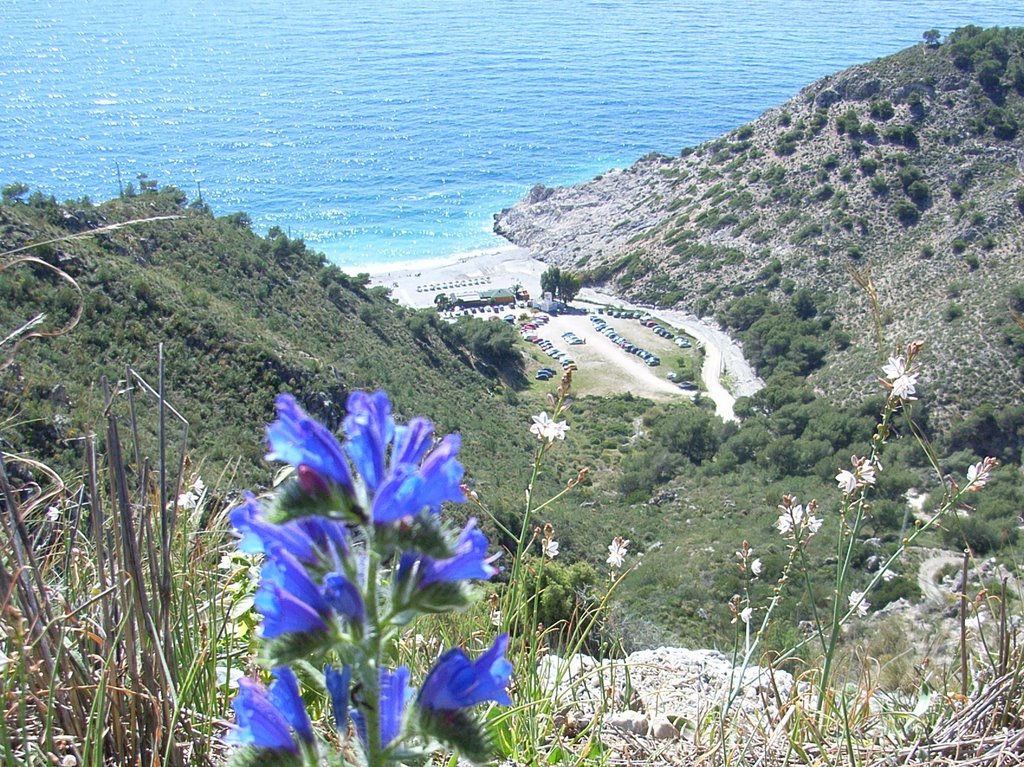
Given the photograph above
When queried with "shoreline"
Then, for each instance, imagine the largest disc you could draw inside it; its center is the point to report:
(417, 283)
(375, 268)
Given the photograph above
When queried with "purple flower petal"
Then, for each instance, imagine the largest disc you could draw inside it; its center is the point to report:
(412, 442)
(442, 475)
(257, 534)
(297, 439)
(398, 496)
(343, 596)
(284, 695)
(260, 724)
(370, 430)
(338, 684)
(288, 598)
(469, 562)
(395, 694)
(457, 682)
(284, 614)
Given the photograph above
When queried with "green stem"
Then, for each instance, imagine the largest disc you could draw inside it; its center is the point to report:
(810, 595)
(371, 686)
(838, 616)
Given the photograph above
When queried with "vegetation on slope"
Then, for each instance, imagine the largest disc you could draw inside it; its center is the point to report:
(907, 168)
(241, 318)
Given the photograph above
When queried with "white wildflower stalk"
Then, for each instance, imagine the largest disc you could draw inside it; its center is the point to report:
(754, 630)
(852, 514)
(517, 606)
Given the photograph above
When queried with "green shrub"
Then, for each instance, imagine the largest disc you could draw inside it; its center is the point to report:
(979, 535)
(906, 212)
(903, 135)
(806, 232)
(785, 148)
(882, 110)
(848, 123)
(920, 194)
(823, 193)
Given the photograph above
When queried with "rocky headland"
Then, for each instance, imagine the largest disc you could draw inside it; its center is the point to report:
(906, 170)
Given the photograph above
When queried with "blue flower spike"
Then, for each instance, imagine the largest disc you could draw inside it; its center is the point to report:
(361, 521)
(271, 719)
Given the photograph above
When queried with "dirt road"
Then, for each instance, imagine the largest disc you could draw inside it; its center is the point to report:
(723, 355)
(616, 372)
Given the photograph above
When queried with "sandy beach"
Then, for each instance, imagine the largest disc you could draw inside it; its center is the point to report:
(416, 284)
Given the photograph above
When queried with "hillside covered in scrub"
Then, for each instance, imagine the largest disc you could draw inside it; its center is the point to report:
(906, 170)
(241, 318)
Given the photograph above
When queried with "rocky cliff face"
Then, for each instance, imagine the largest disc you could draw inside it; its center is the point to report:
(908, 169)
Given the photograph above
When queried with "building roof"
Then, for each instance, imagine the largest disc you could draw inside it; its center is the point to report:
(497, 293)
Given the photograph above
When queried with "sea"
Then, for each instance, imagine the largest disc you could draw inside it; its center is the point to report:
(391, 131)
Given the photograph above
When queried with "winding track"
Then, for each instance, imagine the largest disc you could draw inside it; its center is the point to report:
(723, 355)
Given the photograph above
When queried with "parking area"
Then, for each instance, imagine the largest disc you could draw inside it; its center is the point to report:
(605, 368)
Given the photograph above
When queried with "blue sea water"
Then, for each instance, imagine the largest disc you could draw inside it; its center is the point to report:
(392, 130)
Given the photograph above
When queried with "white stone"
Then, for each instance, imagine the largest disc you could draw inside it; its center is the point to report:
(662, 729)
(628, 721)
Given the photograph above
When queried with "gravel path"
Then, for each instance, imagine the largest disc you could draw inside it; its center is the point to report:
(723, 355)
(927, 572)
